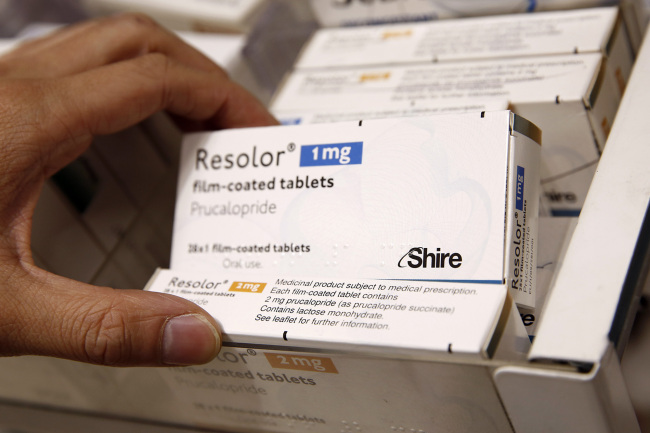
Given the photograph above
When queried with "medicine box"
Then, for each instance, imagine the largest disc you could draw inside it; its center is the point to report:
(348, 13)
(359, 316)
(597, 30)
(396, 199)
(268, 390)
(393, 109)
(568, 97)
(196, 15)
(271, 238)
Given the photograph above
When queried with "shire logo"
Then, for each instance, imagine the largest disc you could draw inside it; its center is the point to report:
(420, 257)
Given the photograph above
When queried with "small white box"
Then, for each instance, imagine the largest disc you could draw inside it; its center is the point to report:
(596, 30)
(357, 316)
(401, 199)
(569, 97)
(345, 13)
(196, 15)
(392, 109)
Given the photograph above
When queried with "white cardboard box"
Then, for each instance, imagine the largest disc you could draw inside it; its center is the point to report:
(597, 30)
(344, 13)
(392, 109)
(399, 199)
(196, 15)
(568, 97)
(357, 316)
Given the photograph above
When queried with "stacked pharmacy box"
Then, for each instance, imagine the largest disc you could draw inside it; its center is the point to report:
(215, 16)
(564, 71)
(346, 13)
(250, 388)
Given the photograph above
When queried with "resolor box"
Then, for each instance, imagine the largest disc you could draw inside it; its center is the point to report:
(440, 199)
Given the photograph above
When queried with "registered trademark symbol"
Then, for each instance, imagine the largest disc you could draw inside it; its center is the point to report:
(251, 352)
(291, 147)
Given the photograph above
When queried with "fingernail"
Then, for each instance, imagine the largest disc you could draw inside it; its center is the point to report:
(189, 340)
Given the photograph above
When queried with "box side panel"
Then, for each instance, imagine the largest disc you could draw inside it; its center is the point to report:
(354, 13)
(503, 36)
(270, 391)
(525, 80)
(522, 214)
(379, 317)
(349, 394)
(191, 15)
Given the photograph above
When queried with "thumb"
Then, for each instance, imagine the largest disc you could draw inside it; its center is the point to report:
(53, 316)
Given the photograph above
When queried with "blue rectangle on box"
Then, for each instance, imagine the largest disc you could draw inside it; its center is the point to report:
(331, 154)
(519, 203)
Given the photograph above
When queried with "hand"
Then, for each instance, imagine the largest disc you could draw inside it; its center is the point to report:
(56, 93)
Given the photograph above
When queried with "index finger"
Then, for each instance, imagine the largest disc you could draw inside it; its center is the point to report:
(111, 98)
(91, 44)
